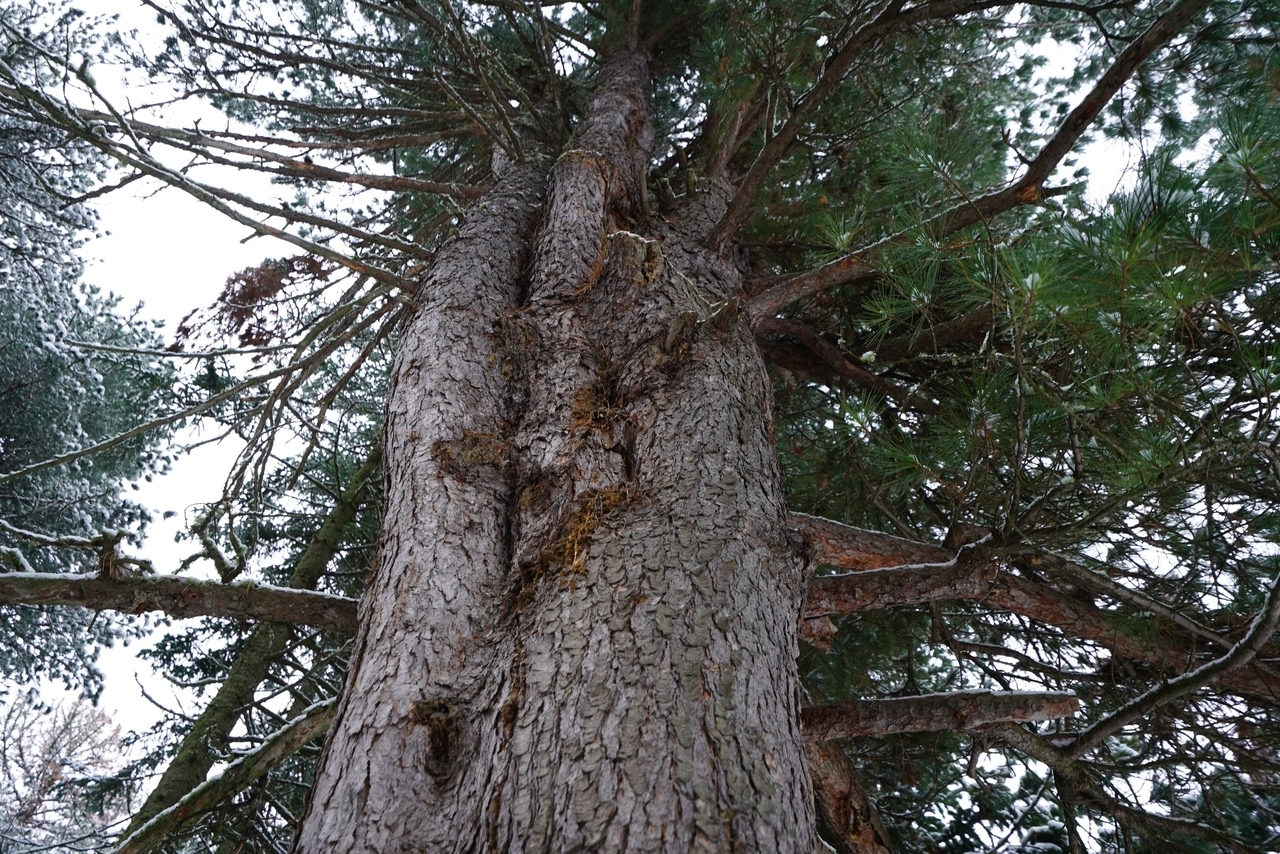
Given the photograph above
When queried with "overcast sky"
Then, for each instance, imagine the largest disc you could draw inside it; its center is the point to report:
(169, 252)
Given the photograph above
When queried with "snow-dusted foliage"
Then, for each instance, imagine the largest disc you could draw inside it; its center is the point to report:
(64, 384)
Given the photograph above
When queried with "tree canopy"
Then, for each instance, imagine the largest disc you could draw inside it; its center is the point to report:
(1026, 424)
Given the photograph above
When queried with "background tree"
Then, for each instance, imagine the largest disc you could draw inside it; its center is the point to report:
(58, 776)
(579, 229)
(67, 376)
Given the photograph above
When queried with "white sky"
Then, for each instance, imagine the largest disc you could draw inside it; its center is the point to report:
(162, 248)
(171, 253)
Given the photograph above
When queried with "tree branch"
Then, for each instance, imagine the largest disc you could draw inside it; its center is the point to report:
(847, 820)
(1099, 583)
(312, 724)
(890, 19)
(1264, 626)
(1173, 652)
(956, 711)
(208, 734)
(836, 544)
(968, 327)
(70, 120)
(962, 578)
(298, 365)
(848, 268)
(195, 141)
(181, 598)
(1026, 190)
(1075, 785)
(840, 363)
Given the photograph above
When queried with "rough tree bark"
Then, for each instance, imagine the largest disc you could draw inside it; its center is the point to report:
(582, 631)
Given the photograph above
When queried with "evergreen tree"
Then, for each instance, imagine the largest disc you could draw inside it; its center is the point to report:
(67, 376)
(691, 328)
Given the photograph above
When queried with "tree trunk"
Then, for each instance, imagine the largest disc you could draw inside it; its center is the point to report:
(581, 632)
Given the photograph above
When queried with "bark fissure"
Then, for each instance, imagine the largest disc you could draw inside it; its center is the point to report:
(428, 617)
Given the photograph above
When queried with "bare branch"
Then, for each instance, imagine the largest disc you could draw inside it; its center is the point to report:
(181, 598)
(70, 120)
(957, 711)
(234, 392)
(304, 169)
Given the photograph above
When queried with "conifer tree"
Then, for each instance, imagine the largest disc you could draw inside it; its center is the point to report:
(68, 377)
(778, 442)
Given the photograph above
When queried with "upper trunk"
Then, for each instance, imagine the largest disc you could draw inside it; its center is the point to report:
(581, 632)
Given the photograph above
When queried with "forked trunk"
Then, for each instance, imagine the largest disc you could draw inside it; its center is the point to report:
(581, 633)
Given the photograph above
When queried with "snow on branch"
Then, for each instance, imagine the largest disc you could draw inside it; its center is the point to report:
(181, 598)
(1073, 778)
(956, 711)
(310, 725)
(233, 392)
(1260, 632)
